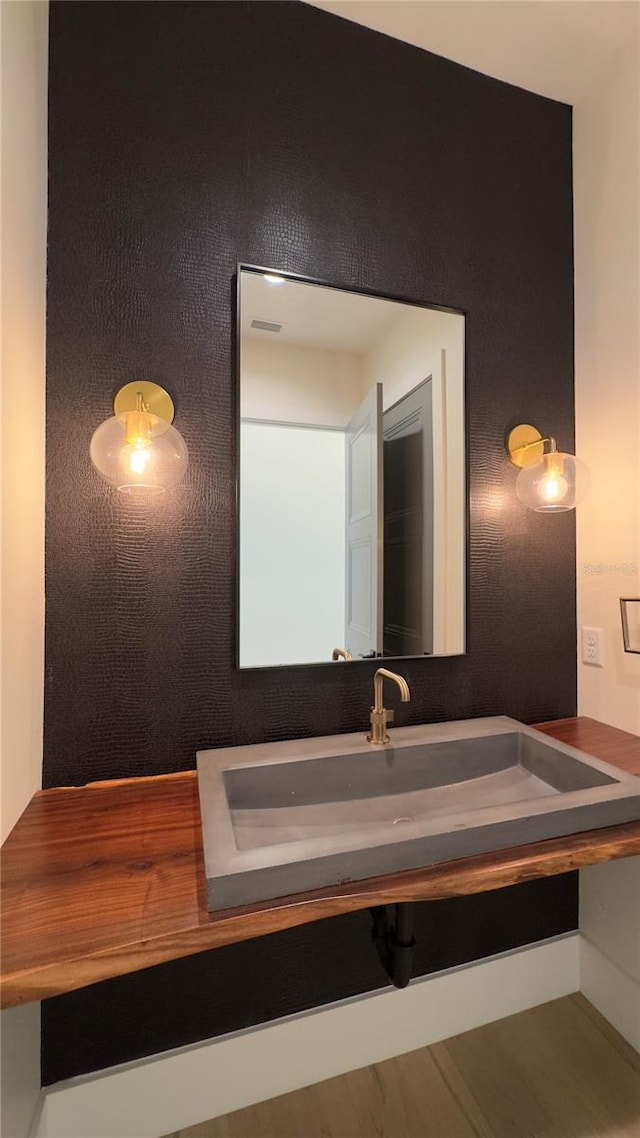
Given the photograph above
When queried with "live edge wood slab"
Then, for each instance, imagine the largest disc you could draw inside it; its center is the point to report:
(108, 878)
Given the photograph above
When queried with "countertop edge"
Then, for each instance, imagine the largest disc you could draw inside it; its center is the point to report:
(478, 874)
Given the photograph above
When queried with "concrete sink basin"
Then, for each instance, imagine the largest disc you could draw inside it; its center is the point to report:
(281, 818)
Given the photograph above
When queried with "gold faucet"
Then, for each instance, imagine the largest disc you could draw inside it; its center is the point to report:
(344, 652)
(380, 715)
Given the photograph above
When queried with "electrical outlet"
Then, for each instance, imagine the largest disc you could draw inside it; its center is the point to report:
(592, 647)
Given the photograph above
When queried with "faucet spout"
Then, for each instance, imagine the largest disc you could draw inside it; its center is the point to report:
(380, 715)
(378, 680)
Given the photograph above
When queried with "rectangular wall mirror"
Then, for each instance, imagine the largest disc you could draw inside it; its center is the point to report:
(352, 484)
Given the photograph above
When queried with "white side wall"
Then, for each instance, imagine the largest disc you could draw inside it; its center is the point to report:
(606, 133)
(292, 544)
(607, 201)
(292, 528)
(291, 383)
(409, 350)
(24, 224)
(610, 943)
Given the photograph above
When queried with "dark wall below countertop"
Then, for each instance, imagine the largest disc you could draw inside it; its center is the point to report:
(185, 137)
(285, 973)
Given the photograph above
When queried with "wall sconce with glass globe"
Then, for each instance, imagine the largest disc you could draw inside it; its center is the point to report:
(138, 449)
(550, 481)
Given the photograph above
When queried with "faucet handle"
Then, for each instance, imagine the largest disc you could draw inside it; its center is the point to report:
(378, 719)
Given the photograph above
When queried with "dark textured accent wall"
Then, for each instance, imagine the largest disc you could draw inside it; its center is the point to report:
(185, 137)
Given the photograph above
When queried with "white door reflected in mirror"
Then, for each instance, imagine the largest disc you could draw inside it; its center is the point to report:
(352, 500)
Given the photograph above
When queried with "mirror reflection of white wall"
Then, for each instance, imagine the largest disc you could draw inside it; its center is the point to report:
(292, 542)
(303, 380)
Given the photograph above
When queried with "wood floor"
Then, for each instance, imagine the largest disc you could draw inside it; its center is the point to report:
(557, 1071)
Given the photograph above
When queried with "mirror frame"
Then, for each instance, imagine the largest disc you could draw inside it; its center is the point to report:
(245, 267)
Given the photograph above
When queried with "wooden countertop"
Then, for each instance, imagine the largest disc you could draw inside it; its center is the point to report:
(106, 879)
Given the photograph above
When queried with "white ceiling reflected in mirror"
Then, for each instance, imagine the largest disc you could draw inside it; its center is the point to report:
(352, 483)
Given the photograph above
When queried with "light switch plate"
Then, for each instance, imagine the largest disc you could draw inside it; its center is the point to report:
(592, 647)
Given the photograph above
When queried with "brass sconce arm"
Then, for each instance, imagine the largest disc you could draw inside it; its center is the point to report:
(525, 445)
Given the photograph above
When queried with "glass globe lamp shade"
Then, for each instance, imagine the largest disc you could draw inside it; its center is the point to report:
(139, 451)
(555, 484)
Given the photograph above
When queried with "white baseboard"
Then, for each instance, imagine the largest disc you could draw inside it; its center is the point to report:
(613, 992)
(180, 1088)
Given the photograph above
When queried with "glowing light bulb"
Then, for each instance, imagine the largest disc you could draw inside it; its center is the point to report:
(274, 279)
(139, 458)
(554, 484)
(550, 481)
(553, 488)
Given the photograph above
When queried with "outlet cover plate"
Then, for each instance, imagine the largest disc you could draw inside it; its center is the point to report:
(592, 647)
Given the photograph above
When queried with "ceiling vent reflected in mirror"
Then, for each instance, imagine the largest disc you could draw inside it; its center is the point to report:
(266, 326)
